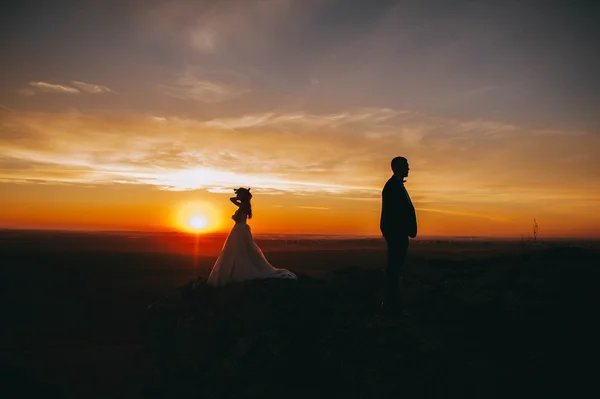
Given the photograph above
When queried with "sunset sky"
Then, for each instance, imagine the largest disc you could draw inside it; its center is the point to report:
(117, 114)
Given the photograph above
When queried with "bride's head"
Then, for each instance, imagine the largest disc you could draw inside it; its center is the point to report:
(243, 194)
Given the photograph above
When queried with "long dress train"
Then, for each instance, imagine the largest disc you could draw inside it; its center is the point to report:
(241, 259)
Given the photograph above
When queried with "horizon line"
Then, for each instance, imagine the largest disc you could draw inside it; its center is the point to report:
(349, 235)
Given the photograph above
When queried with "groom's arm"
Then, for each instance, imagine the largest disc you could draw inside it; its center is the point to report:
(383, 217)
(389, 210)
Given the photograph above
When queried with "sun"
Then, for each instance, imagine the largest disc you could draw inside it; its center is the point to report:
(197, 217)
(197, 222)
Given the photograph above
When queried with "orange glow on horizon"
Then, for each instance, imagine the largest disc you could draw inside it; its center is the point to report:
(197, 217)
(135, 208)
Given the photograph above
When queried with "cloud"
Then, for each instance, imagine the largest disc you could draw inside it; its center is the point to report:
(453, 163)
(236, 22)
(91, 88)
(75, 88)
(210, 27)
(356, 119)
(46, 87)
(196, 85)
(203, 39)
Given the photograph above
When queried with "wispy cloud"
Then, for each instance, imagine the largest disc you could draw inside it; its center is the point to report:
(204, 87)
(235, 21)
(76, 87)
(91, 88)
(355, 121)
(452, 162)
(208, 27)
(46, 87)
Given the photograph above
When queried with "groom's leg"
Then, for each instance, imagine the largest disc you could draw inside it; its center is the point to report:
(402, 250)
(391, 271)
(396, 249)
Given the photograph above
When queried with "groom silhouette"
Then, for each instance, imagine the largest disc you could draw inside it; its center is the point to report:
(398, 222)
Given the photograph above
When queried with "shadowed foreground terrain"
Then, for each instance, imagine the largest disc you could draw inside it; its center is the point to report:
(483, 329)
(485, 319)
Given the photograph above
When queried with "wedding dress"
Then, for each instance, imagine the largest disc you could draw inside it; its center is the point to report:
(241, 259)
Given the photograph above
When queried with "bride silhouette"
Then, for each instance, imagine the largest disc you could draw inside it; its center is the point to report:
(241, 259)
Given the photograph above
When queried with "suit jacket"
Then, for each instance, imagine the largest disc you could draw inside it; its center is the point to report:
(398, 217)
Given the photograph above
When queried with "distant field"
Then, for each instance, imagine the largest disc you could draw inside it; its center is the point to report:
(210, 244)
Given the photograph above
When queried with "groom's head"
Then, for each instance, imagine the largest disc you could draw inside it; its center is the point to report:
(400, 166)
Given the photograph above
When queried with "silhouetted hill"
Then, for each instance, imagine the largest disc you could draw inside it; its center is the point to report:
(486, 319)
(519, 326)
